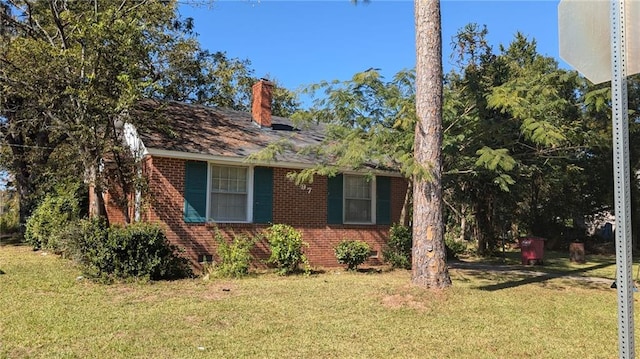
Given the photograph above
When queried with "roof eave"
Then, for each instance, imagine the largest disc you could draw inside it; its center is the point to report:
(244, 161)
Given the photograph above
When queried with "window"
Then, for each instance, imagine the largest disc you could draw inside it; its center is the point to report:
(229, 194)
(357, 199)
(354, 199)
(219, 193)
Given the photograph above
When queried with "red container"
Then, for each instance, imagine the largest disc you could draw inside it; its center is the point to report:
(532, 249)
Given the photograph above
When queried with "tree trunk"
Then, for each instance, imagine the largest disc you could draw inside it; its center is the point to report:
(429, 263)
(98, 207)
(463, 228)
(405, 215)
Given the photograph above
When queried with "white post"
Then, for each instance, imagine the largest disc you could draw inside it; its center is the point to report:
(622, 191)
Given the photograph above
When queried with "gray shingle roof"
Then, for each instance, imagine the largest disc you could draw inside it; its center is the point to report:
(208, 131)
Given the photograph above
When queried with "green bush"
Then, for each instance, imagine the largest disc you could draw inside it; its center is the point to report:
(398, 251)
(139, 250)
(51, 218)
(352, 253)
(84, 243)
(286, 246)
(454, 248)
(234, 257)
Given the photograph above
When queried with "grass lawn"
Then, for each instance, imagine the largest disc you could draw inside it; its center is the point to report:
(46, 311)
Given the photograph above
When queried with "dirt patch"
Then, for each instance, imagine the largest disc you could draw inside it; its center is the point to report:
(402, 301)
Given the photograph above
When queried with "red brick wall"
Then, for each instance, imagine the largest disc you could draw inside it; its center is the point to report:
(303, 207)
(114, 212)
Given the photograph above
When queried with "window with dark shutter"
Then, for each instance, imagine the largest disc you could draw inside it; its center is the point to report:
(229, 193)
(358, 199)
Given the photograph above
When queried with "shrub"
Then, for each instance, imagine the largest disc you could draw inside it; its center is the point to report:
(286, 247)
(234, 257)
(139, 251)
(398, 251)
(454, 248)
(84, 243)
(352, 253)
(51, 217)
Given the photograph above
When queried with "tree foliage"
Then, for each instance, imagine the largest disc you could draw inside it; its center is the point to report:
(526, 145)
(514, 137)
(70, 71)
(367, 121)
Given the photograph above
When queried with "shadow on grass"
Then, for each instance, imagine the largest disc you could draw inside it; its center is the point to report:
(11, 240)
(572, 274)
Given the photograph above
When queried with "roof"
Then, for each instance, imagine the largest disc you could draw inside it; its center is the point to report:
(181, 128)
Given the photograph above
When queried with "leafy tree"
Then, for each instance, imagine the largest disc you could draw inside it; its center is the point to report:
(368, 126)
(515, 139)
(9, 207)
(70, 71)
(194, 75)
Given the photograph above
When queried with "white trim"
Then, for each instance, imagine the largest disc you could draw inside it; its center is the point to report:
(132, 139)
(249, 218)
(372, 194)
(238, 161)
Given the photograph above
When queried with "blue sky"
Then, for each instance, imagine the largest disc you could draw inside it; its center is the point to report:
(303, 42)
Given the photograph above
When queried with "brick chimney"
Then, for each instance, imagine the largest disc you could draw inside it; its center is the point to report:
(261, 107)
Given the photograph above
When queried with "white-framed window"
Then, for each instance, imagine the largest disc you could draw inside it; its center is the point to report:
(229, 193)
(358, 199)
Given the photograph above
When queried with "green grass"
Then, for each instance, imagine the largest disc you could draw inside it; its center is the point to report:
(603, 266)
(47, 312)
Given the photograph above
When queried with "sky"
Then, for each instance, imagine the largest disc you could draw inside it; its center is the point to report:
(299, 43)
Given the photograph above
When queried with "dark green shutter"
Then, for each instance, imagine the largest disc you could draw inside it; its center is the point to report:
(195, 192)
(263, 195)
(334, 200)
(383, 200)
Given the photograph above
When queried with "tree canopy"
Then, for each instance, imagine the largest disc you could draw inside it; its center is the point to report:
(526, 145)
(70, 71)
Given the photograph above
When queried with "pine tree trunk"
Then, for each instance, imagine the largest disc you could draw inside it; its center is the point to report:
(429, 266)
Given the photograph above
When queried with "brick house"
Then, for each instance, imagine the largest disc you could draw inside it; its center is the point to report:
(199, 178)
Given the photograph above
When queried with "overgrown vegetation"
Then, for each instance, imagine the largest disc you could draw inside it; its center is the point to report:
(10, 217)
(234, 256)
(398, 250)
(51, 218)
(352, 253)
(286, 245)
(137, 251)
